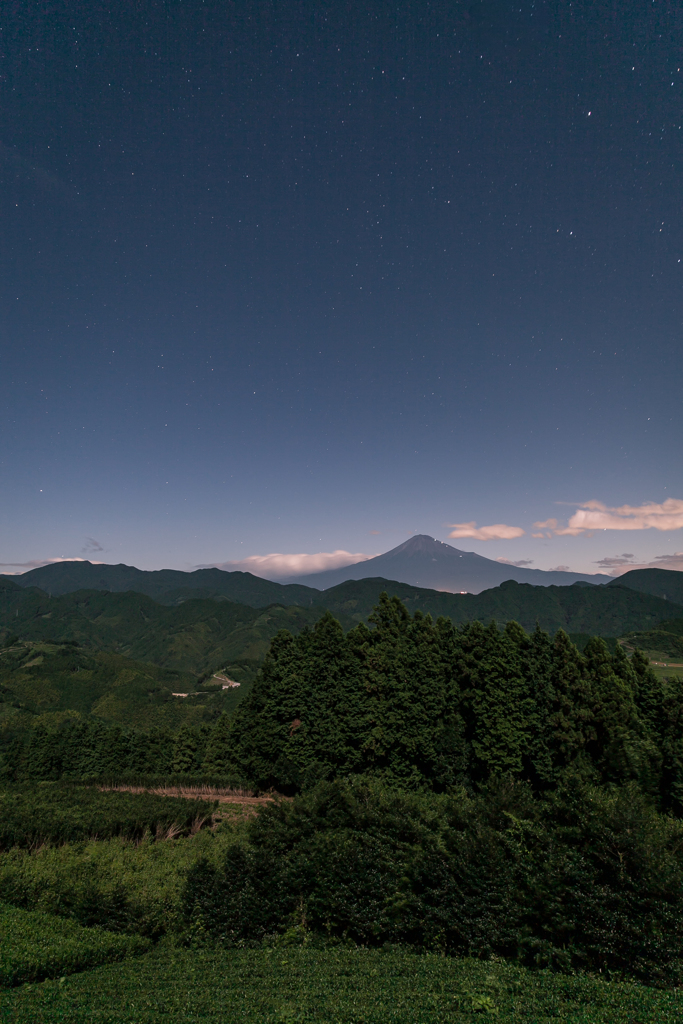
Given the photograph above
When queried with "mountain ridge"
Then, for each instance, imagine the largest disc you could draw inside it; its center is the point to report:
(60, 578)
(422, 561)
(664, 583)
(201, 634)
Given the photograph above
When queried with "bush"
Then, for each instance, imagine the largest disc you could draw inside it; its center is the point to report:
(34, 946)
(588, 879)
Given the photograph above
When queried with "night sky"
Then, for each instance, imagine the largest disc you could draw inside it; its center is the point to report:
(308, 276)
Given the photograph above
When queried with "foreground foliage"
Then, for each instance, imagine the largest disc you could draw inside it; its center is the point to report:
(58, 813)
(333, 985)
(587, 879)
(116, 884)
(468, 791)
(34, 946)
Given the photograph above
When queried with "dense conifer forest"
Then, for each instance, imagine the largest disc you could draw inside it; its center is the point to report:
(426, 705)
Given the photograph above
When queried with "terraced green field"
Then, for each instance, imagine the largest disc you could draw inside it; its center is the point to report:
(34, 946)
(335, 986)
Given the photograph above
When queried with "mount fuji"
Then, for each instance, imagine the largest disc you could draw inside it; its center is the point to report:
(423, 561)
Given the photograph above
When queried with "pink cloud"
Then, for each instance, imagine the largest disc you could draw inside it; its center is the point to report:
(499, 531)
(594, 515)
(618, 566)
(277, 565)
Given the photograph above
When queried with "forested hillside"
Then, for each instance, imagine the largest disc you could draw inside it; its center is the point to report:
(580, 608)
(666, 639)
(199, 636)
(52, 683)
(134, 653)
(429, 705)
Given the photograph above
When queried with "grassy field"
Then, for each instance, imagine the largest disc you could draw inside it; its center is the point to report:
(34, 946)
(666, 669)
(331, 986)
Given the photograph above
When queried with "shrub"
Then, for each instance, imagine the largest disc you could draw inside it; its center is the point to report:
(590, 878)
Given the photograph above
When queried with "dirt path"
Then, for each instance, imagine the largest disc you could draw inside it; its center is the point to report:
(223, 796)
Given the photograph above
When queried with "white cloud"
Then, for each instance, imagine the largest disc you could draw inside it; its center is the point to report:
(275, 566)
(499, 531)
(560, 568)
(522, 563)
(594, 515)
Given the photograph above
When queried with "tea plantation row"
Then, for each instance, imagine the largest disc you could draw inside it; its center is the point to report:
(344, 986)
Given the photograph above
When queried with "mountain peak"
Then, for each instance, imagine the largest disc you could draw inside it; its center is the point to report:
(421, 544)
(423, 561)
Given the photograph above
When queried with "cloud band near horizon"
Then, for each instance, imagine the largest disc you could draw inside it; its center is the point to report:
(277, 566)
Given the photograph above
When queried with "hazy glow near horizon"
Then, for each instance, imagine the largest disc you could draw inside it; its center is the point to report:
(277, 567)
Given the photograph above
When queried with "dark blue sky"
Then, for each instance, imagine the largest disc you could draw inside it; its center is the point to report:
(309, 276)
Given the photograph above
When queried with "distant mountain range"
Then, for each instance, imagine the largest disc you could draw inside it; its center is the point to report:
(425, 562)
(420, 562)
(189, 633)
(168, 586)
(199, 636)
(115, 642)
(203, 628)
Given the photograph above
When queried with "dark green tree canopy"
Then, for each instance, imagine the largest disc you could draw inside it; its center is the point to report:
(427, 705)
